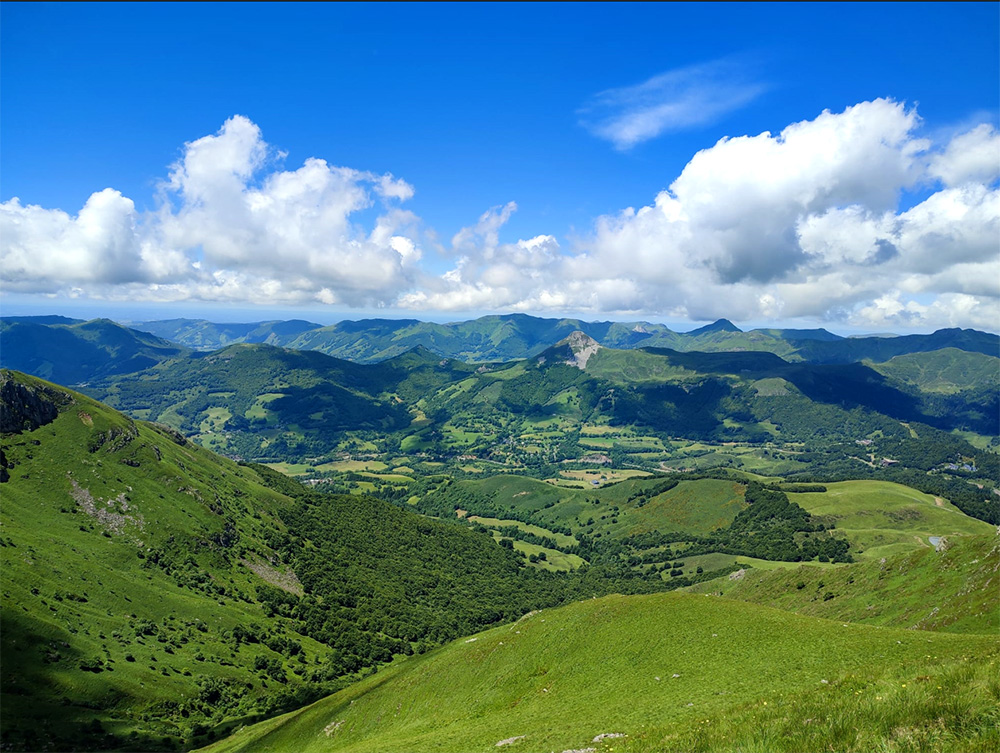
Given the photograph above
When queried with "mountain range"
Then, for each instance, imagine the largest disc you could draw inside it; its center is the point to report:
(159, 597)
(417, 549)
(516, 336)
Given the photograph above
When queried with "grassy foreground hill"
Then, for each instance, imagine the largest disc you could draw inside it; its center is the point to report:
(155, 595)
(129, 557)
(663, 672)
(952, 587)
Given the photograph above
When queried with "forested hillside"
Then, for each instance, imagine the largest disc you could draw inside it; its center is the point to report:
(155, 594)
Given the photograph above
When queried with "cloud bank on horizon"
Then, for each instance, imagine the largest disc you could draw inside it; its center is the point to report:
(806, 223)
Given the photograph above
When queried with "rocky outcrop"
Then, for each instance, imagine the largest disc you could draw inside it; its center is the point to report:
(24, 407)
(582, 347)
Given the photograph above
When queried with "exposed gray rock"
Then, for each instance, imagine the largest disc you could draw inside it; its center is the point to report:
(25, 408)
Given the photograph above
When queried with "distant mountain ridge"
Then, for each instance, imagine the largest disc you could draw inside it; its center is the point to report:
(511, 337)
(109, 347)
(70, 351)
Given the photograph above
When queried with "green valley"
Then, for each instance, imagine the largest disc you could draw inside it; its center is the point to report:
(508, 378)
(155, 594)
(579, 406)
(825, 528)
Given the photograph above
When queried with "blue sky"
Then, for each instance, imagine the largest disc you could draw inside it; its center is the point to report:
(575, 113)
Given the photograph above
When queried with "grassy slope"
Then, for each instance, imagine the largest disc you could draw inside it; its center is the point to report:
(883, 518)
(78, 586)
(878, 517)
(948, 370)
(649, 667)
(954, 589)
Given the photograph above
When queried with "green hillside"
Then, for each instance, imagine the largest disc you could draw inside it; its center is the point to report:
(130, 558)
(631, 507)
(643, 514)
(258, 400)
(946, 371)
(70, 351)
(952, 588)
(155, 594)
(952, 382)
(884, 518)
(199, 334)
(645, 671)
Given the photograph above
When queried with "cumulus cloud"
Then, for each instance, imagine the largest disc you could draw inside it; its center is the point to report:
(804, 223)
(970, 157)
(228, 222)
(671, 101)
(98, 245)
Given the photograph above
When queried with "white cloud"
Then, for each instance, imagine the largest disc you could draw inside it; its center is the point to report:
(98, 245)
(484, 236)
(891, 311)
(805, 223)
(973, 156)
(800, 224)
(229, 228)
(671, 101)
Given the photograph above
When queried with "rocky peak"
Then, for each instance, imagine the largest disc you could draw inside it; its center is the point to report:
(582, 346)
(24, 407)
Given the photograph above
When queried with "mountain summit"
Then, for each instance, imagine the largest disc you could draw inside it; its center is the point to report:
(719, 325)
(574, 350)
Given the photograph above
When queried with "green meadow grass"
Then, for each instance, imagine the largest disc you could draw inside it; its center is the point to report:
(560, 538)
(555, 561)
(291, 469)
(955, 589)
(718, 561)
(882, 518)
(943, 706)
(346, 466)
(78, 585)
(652, 668)
(698, 506)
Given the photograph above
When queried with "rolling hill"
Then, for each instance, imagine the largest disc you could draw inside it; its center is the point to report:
(155, 594)
(649, 673)
(199, 334)
(70, 351)
(950, 587)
